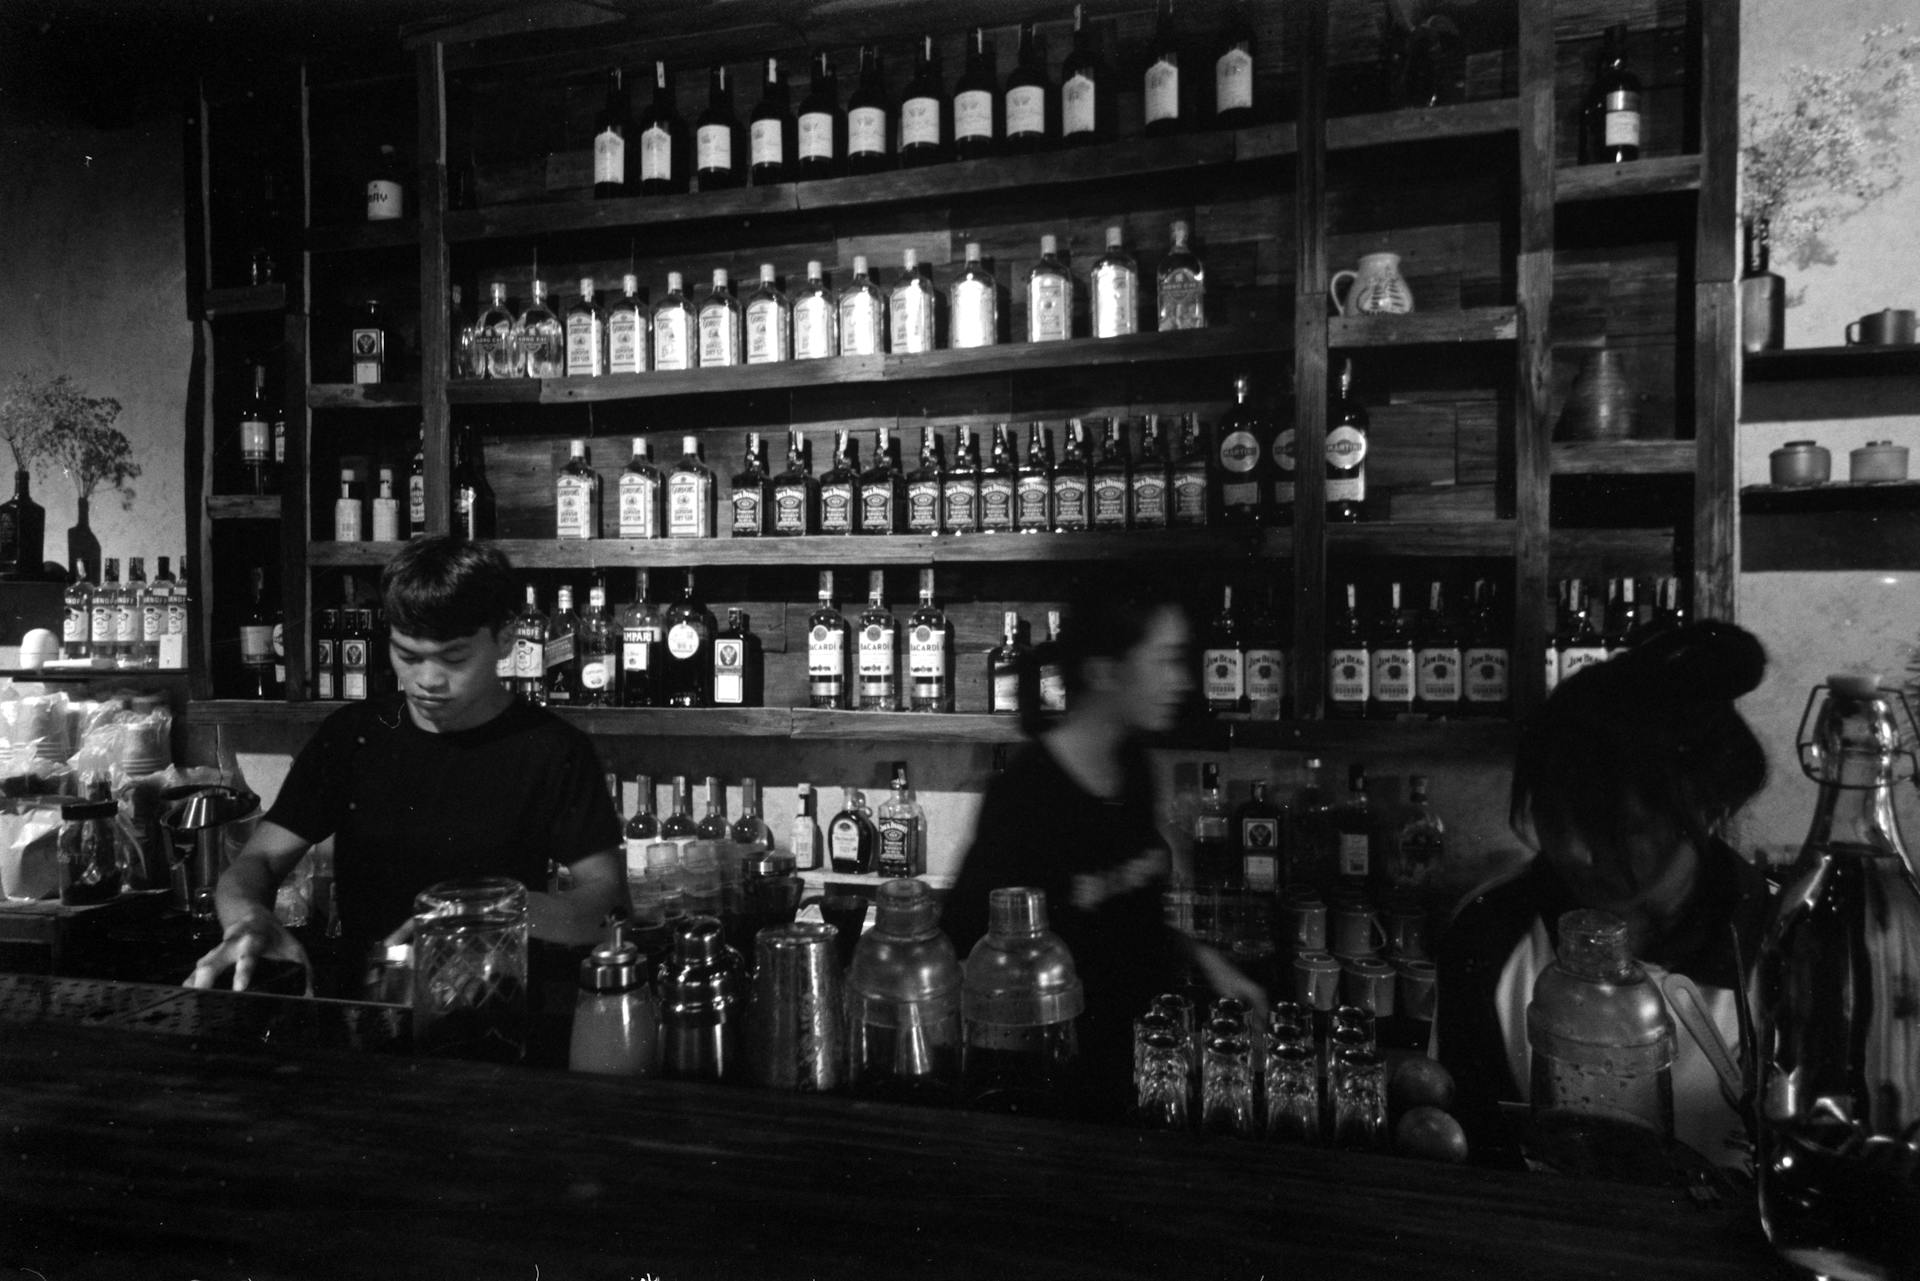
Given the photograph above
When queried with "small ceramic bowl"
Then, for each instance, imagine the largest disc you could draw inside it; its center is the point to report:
(1801, 462)
(1878, 460)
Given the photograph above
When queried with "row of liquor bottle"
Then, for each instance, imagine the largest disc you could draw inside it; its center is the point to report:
(138, 623)
(914, 314)
(857, 840)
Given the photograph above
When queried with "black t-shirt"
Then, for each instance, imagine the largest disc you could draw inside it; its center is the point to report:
(408, 809)
(1104, 866)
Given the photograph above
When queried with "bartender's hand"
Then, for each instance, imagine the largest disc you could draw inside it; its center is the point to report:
(244, 944)
(1227, 979)
(244, 899)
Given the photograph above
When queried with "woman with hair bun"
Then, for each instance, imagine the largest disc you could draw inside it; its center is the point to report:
(1622, 783)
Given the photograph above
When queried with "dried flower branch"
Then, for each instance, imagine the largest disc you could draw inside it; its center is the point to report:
(24, 419)
(81, 437)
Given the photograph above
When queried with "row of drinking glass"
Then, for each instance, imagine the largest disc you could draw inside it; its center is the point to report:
(1289, 1080)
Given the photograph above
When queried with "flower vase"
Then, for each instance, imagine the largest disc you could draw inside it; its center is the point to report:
(23, 530)
(1763, 294)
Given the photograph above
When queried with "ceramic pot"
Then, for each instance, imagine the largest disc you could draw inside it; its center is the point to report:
(1376, 288)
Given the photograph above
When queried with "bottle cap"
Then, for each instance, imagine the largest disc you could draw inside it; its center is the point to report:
(674, 282)
(973, 251)
(859, 264)
(909, 258)
(1113, 237)
(719, 277)
(766, 273)
(586, 286)
(1048, 245)
(813, 269)
(611, 967)
(629, 283)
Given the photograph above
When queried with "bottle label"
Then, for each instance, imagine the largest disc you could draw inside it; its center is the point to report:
(609, 157)
(1163, 91)
(876, 657)
(558, 651)
(1575, 657)
(896, 847)
(926, 653)
(1005, 690)
(100, 624)
(766, 143)
(639, 506)
(1076, 105)
(73, 628)
(386, 520)
(323, 665)
(1190, 497)
(843, 844)
(1110, 501)
(713, 148)
(1070, 502)
(1393, 675)
(1053, 688)
(1266, 676)
(919, 123)
(683, 641)
(1223, 675)
(417, 501)
(1346, 451)
(867, 131)
(1239, 452)
(816, 136)
(254, 440)
(719, 336)
(369, 351)
(812, 328)
(346, 521)
(748, 513)
(1116, 301)
(974, 318)
(1439, 676)
(1049, 309)
(656, 154)
(861, 324)
(353, 669)
(636, 648)
(1032, 501)
(1355, 857)
(973, 114)
(789, 509)
(256, 644)
(826, 660)
(730, 671)
(766, 332)
(1486, 674)
(1233, 80)
(1260, 832)
(526, 658)
(876, 508)
(1349, 676)
(385, 200)
(623, 341)
(836, 508)
(1621, 124)
(670, 349)
(1183, 300)
(1149, 500)
(574, 507)
(912, 316)
(583, 345)
(961, 498)
(687, 515)
(1026, 110)
(595, 672)
(923, 507)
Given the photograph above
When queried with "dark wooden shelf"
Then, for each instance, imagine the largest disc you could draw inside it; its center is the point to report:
(1872, 525)
(1658, 176)
(250, 711)
(243, 300)
(351, 555)
(1422, 538)
(363, 395)
(168, 677)
(243, 506)
(1008, 358)
(1469, 325)
(1815, 384)
(905, 727)
(1423, 124)
(400, 233)
(1806, 364)
(1623, 458)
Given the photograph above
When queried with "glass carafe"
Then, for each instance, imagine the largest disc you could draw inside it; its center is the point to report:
(1020, 996)
(470, 969)
(1839, 1004)
(903, 1001)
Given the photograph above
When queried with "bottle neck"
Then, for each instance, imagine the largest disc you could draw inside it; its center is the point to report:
(1858, 812)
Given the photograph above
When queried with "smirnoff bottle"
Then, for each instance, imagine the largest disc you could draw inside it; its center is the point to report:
(577, 496)
(642, 495)
(130, 618)
(75, 627)
(929, 653)
(912, 308)
(1049, 296)
(529, 650)
(829, 638)
(769, 322)
(586, 335)
(100, 607)
(878, 651)
(816, 318)
(960, 487)
(675, 343)
(973, 304)
(628, 330)
(924, 485)
(179, 607)
(863, 314)
(752, 493)
(1116, 290)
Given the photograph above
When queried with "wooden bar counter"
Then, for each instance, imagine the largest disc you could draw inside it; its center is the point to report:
(232, 1153)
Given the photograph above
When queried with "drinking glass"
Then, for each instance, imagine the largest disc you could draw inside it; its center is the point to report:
(1152, 1023)
(1160, 1080)
(1357, 1082)
(470, 969)
(1293, 1087)
(1226, 1088)
(1181, 1011)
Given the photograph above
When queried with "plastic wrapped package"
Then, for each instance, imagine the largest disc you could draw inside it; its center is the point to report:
(36, 728)
(30, 848)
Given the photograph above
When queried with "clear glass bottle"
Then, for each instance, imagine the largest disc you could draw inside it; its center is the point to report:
(929, 653)
(494, 338)
(912, 308)
(829, 643)
(76, 626)
(719, 324)
(863, 314)
(461, 351)
(385, 508)
(1182, 280)
(693, 494)
(577, 496)
(803, 837)
(1049, 296)
(904, 1001)
(878, 650)
(642, 495)
(1418, 851)
(1020, 997)
(586, 334)
(769, 322)
(542, 340)
(599, 651)
(129, 620)
(676, 343)
(1115, 290)
(815, 318)
(973, 306)
(529, 653)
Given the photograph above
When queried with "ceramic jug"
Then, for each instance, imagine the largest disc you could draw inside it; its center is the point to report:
(1377, 288)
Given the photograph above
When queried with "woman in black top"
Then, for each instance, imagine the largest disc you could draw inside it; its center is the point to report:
(1074, 815)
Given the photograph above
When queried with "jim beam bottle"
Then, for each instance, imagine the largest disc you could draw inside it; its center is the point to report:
(529, 649)
(1266, 663)
(1393, 662)
(1439, 679)
(1484, 684)
(1223, 676)
(1349, 662)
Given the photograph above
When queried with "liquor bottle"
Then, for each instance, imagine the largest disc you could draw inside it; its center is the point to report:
(1245, 440)
(1050, 682)
(718, 157)
(752, 493)
(1393, 662)
(679, 827)
(1073, 482)
(386, 508)
(642, 633)
(925, 484)
(960, 487)
(256, 633)
(693, 494)
(815, 318)
(1353, 824)
(1612, 125)
(1579, 645)
(912, 308)
(576, 496)
(839, 487)
(1152, 479)
(1033, 483)
(76, 623)
(256, 439)
(130, 620)
(560, 652)
(822, 132)
(738, 679)
(1162, 93)
(417, 488)
(1212, 832)
(1086, 89)
(973, 304)
(1223, 663)
(863, 314)
(1416, 853)
(541, 337)
(877, 650)
(641, 496)
(675, 344)
(1349, 662)
(796, 495)
(1285, 464)
(881, 497)
(1484, 660)
(497, 355)
(1256, 841)
(367, 343)
(1193, 491)
(1049, 296)
(586, 335)
(1556, 622)
(349, 513)
(356, 655)
(100, 607)
(610, 129)
(750, 831)
(770, 132)
(1311, 843)
(976, 102)
(929, 653)
(1007, 668)
(598, 652)
(386, 196)
(686, 661)
(903, 830)
(177, 606)
(851, 838)
(1115, 290)
(803, 835)
(1029, 99)
(869, 121)
(326, 657)
(461, 336)
(642, 827)
(1437, 685)
(473, 505)
(1110, 499)
(829, 639)
(1620, 617)
(719, 324)
(1233, 71)
(922, 127)
(769, 322)
(1182, 282)
(1266, 662)
(1346, 452)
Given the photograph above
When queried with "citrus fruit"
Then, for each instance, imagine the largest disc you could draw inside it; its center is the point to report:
(1430, 1133)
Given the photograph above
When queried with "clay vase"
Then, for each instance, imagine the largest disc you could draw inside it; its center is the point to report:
(1377, 288)
(1602, 404)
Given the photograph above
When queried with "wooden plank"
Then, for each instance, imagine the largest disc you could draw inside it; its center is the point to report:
(1423, 538)
(352, 236)
(362, 396)
(436, 435)
(1656, 176)
(242, 300)
(1308, 670)
(1468, 325)
(1422, 124)
(1717, 463)
(351, 555)
(1624, 458)
(243, 711)
(682, 722)
(1533, 354)
(1827, 364)
(905, 727)
(1716, 256)
(243, 506)
(1830, 527)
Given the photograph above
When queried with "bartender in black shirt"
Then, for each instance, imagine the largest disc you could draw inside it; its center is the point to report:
(455, 777)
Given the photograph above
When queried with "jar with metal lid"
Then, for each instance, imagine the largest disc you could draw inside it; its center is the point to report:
(1877, 460)
(903, 1001)
(769, 896)
(615, 1022)
(702, 1001)
(92, 867)
(1020, 997)
(1800, 462)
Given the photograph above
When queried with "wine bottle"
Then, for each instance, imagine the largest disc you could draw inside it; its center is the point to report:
(1029, 99)
(1233, 71)
(1162, 91)
(922, 127)
(1613, 123)
(610, 129)
(1346, 452)
(821, 135)
(664, 168)
(1086, 89)
(869, 118)
(770, 133)
(976, 102)
(718, 159)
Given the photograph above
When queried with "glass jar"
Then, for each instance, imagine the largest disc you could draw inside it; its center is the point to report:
(470, 969)
(1020, 998)
(903, 1001)
(615, 1023)
(91, 864)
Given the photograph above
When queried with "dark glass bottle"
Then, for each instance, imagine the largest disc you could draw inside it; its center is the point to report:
(1192, 501)
(610, 130)
(976, 102)
(1256, 841)
(473, 502)
(925, 486)
(686, 661)
(737, 665)
(719, 159)
(1030, 122)
(922, 127)
(752, 492)
(664, 165)
(796, 494)
(1349, 661)
(840, 487)
(1233, 67)
(882, 494)
(1612, 127)
(996, 484)
(1244, 452)
(1033, 484)
(869, 118)
(1223, 663)
(1163, 91)
(1393, 661)
(1073, 481)
(770, 134)
(1437, 657)
(821, 134)
(1086, 88)
(1346, 452)
(1110, 504)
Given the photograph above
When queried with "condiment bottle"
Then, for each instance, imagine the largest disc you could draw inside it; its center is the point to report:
(1020, 996)
(615, 1023)
(903, 1001)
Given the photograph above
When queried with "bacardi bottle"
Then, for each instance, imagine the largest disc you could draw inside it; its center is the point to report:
(686, 676)
(769, 322)
(577, 496)
(929, 653)
(752, 492)
(816, 318)
(1349, 662)
(829, 641)
(676, 343)
(877, 650)
(586, 334)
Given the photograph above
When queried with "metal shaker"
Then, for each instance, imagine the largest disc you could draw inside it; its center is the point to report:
(701, 1004)
(797, 1029)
